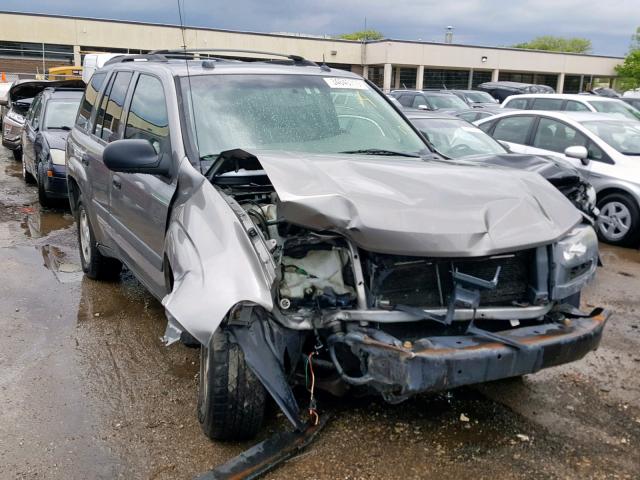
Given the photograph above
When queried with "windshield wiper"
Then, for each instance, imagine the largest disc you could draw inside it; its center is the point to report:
(379, 151)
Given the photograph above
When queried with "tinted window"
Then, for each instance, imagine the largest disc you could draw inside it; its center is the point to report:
(89, 99)
(420, 100)
(519, 103)
(110, 121)
(547, 104)
(148, 117)
(573, 106)
(556, 136)
(405, 100)
(35, 112)
(32, 109)
(513, 129)
(97, 127)
(485, 127)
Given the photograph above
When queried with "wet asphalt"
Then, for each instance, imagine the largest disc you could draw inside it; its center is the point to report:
(87, 390)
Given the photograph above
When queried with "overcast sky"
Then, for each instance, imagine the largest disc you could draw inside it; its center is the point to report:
(495, 22)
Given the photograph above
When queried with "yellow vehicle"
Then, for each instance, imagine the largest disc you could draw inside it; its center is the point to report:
(65, 73)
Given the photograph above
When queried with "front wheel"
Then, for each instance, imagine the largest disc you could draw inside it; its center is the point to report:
(231, 399)
(94, 264)
(26, 176)
(43, 198)
(619, 220)
(17, 155)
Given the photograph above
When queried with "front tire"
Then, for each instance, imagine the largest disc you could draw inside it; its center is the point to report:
(231, 399)
(44, 200)
(619, 220)
(94, 264)
(26, 176)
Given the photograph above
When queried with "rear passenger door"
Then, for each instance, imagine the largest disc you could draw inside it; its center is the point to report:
(514, 131)
(29, 132)
(140, 202)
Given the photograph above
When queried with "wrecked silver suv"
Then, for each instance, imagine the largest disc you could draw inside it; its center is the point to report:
(297, 226)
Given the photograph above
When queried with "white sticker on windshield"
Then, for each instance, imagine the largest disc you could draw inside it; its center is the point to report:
(351, 83)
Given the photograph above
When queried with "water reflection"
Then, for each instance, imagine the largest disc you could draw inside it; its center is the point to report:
(38, 222)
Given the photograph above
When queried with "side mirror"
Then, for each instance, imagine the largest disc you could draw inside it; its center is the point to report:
(4, 102)
(136, 156)
(579, 152)
(423, 107)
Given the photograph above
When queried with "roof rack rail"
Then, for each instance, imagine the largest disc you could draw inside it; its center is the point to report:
(181, 52)
(150, 57)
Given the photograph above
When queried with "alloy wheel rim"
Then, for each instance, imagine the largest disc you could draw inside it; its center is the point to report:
(85, 237)
(614, 221)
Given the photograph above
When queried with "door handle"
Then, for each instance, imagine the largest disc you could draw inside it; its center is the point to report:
(117, 184)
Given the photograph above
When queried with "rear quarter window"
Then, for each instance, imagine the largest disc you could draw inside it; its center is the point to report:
(513, 129)
(89, 99)
(519, 103)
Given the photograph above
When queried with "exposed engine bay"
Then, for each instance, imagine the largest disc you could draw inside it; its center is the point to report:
(398, 324)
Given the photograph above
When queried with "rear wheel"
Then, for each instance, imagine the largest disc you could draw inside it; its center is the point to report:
(17, 155)
(231, 399)
(94, 264)
(619, 220)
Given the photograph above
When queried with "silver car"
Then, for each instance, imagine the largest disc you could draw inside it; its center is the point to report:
(605, 148)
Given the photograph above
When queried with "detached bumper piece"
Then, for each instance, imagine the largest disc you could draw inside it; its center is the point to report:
(444, 362)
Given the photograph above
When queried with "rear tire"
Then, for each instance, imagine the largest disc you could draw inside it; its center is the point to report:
(231, 399)
(17, 155)
(619, 220)
(94, 264)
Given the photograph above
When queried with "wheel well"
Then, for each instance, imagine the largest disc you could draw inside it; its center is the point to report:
(168, 275)
(74, 194)
(609, 191)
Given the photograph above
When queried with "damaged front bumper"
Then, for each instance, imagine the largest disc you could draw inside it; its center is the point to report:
(400, 369)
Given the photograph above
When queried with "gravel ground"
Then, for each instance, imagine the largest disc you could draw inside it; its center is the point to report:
(88, 391)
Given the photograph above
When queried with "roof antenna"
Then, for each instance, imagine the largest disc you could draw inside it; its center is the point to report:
(186, 63)
(324, 65)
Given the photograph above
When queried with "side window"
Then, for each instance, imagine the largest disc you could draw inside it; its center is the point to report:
(405, 100)
(32, 108)
(485, 127)
(556, 136)
(35, 112)
(148, 118)
(547, 104)
(519, 103)
(419, 100)
(89, 99)
(97, 127)
(111, 116)
(595, 153)
(573, 106)
(513, 129)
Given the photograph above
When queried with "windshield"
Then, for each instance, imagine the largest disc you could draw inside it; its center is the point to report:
(622, 135)
(457, 138)
(479, 97)
(618, 107)
(447, 102)
(299, 113)
(61, 114)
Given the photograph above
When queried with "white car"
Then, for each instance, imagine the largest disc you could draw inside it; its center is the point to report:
(605, 148)
(571, 103)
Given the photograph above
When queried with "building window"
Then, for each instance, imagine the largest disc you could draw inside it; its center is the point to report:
(437, 78)
(480, 76)
(376, 75)
(571, 84)
(35, 50)
(408, 78)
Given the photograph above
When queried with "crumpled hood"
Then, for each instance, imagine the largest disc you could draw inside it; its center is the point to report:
(422, 208)
(557, 171)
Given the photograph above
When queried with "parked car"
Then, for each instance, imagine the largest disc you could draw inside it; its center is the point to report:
(47, 124)
(606, 149)
(4, 99)
(572, 103)
(633, 101)
(474, 114)
(287, 231)
(429, 100)
(454, 138)
(502, 89)
(475, 98)
(605, 92)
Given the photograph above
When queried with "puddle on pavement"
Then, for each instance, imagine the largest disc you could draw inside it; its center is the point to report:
(39, 222)
(13, 169)
(56, 260)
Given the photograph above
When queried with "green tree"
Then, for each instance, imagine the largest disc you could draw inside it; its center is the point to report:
(557, 44)
(362, 35)
(629, 71)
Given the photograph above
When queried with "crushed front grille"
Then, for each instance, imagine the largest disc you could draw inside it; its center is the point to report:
(427, 282)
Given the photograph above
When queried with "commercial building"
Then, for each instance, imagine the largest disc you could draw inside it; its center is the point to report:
(32, 43)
